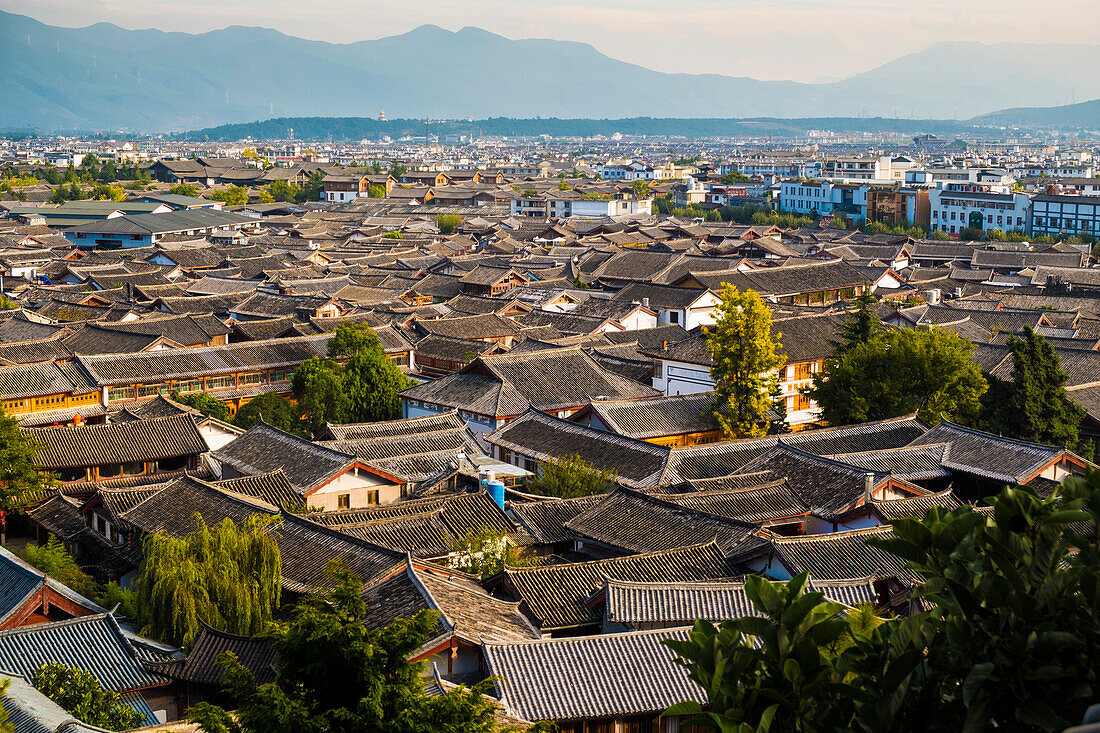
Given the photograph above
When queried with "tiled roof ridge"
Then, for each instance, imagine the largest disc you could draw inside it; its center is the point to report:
(617, 560)
(599, 638)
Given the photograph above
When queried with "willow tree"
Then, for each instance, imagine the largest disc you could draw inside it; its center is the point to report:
(225, 576)
(746, 356)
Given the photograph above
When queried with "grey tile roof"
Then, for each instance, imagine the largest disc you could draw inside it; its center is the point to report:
(201, 665)
(638, 464)
(657, 417)
(766, 503)
(634, 522)
(915, 506)
(989, 456)
(171, 509)
(95, 445)
(545, 520)
(840, 555)
(460, 512)
(911, 463)
(93, 643)
(591, 677)
(47, 378)
(264, 449)
(557, 595)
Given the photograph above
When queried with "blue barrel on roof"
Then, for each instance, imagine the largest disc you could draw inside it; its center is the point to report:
(496, 491)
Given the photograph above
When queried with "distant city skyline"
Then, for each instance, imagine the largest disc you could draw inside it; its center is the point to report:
(800, 40)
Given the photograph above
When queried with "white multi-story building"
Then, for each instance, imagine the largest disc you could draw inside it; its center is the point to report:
(564, 204)
(954, 207)
(824, 197)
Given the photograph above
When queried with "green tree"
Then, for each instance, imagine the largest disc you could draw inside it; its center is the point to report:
(745, 354)
(226, 576)
(81, 695)
(311, 191)
(273, 409)
(1010, 639)
(448, 223)
(734, 177)
(320, 394)
(204, 403)
(337, 674)
(184, 189)
(393, 235)
(232, 196)
(55, 561)
(376, 192)
(863, 326)
(114, 595)
(397, 170)
(370, 382)
(281, 190)
(929, 372)
(19, 480)
(5, 726)
(1034, 405)
(569, 477)
(485, 552)
(641, 189)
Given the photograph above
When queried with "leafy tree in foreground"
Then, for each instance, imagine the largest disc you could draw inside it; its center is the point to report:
(1034, 405)
(55, 561)
(338, 675)
(204, 403)
(373, 385)
(1011, 640)
(569, 477)
(929, 372)
(745, 354)
(81, 695)
(18, 479)
(226, 576)
(184, 189)
(273, 409)
(232, 196)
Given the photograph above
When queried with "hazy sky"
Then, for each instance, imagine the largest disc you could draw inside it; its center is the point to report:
(804, 40)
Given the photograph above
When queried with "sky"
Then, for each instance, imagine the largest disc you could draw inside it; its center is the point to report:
(801, 40)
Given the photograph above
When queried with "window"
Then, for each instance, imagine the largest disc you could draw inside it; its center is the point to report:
(674, 316)
(253, 378)
(372, 496)
(343, 501)
(172, 464)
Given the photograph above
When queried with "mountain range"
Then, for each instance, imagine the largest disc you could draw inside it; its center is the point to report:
(107, 77)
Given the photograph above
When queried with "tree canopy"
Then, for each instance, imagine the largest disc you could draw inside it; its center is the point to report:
(929, 372)
(746, 355)
(231, 196)
(862, 325)
(226, 576)
(569, 477)
(81, 695)
(338, 675)
(275, 410)
(18, 477)
(55, 561)
(448, 223)
(1034, 405)
(1010, 639)
(485, 552)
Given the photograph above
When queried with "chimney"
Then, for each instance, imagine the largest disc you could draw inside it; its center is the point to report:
(645, 302)
(868, 487)
(664, 346)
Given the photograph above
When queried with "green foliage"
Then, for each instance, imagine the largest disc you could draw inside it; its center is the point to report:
(5, 726)
(281, 190)
(393, 235)
(184, 189)
(232, 196)
(320, 394)
(275, 411)
(1034, 405)
(929, 372)
(226, 576)
(349, 339)
(311, 191)
(115, 595)
(734, 177)
(485, 552)
(1011, 640)
(640, 188)
(376, 192)
(339, 675)
(397, 170)
(81, 695)
(373, 385)
(939, 235)
(905, 230)
(18, 479)
(7, 304)
(863, 326)
(745, 354)
(204, 403)
(569, 477)
(448, 223)
(55, 561)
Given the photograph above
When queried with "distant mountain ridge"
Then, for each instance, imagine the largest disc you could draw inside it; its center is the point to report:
(1071, 116)
(103, 76)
